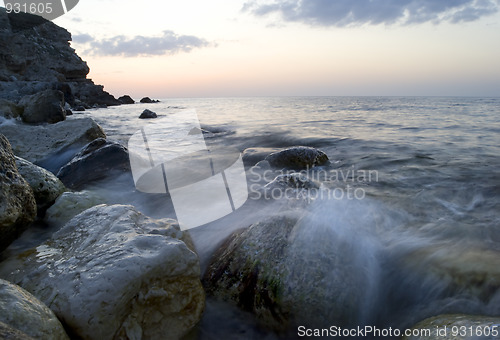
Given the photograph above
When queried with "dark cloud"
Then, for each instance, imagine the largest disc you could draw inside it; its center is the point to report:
(342, 13)
(167, 43)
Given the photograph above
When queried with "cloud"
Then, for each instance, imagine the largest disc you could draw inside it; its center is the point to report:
(167, 43)
(82, 38)
(341, 13)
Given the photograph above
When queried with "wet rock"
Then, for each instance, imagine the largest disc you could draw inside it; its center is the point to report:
(7, 332)
(288, 271)
(68, 112)
(17, 202)
(457, 327)
(44, 107)
(297, 157)
(294, 180)
(95, 161)
(112, 272)
(252, 156)
(24, 312)
(126, 99)
(79, 108)
(46, 186)
(9, 109)
(70, 204)
(148, 114)
(37, 143)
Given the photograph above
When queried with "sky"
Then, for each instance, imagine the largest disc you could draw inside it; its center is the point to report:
(224, 48)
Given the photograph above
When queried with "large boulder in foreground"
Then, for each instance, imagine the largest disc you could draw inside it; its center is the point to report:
(24, 312)
(297, 158)
(112, 272)
(37, 143)
(8, 332)
(17, 203)
(292, 270)
(46, 186)
(97, 160)
(70, 204)
(457, 327)
(43, 107)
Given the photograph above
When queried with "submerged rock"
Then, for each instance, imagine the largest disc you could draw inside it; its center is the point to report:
(297, 157)
(288, 272)
(37, 143)
(148, 114)
(46, 186)
(24, 312)
(147, 100)
(126, 99)
(457, 327)
(95, 161)
(112, 272)
(43, 107)
(70, 204)
(17, 202)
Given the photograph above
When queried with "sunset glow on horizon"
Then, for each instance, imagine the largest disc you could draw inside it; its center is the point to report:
(250, 48)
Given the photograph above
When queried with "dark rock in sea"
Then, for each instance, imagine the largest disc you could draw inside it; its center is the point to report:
(297, 158)
(114, 273)
(17, 202)
(35, 55)
(79, 108)
(23, 312)
(46, 186)
(39, 143)
(147, 100)
(252, 156)
(43, 107)
(97, 160)
(148, 114)
(126, 99)
(457, 327)
(69, 112)
(288, 271)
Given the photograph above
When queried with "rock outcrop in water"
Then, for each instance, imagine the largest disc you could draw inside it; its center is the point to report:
(288, 271)
(297, 158)
(97, 160)
(113, 273)
(35, 56)
(17, 202)
(24, 312)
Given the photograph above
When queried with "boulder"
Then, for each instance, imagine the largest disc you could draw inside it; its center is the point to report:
(9, 109)
(126, 99)
(70, 204)
(46, 186)
(112, 272)
(146, 100)
(148, 114)
(297, 158)
(252, 156)
(24, 312)
(37, 143)
(7, 332)
(290, 270)
(79, 108)
(17, 202)
(95, 161)
(44, 107)
(457, 327)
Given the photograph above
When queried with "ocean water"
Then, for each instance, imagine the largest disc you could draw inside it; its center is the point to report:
(425, 227)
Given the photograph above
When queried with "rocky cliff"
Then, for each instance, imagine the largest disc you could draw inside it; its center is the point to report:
(35, 55)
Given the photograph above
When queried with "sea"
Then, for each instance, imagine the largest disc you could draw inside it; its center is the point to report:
(432, 201)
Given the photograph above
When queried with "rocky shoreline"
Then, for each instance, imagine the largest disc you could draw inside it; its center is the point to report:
(111, 272)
